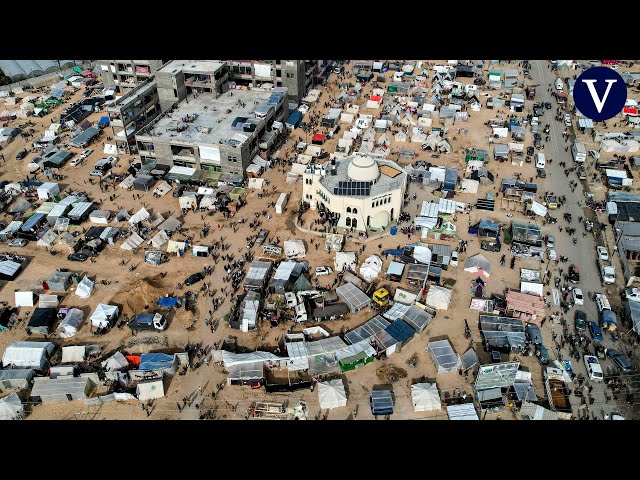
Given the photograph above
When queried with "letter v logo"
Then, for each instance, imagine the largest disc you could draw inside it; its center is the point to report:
(599, 93)
(594, 95)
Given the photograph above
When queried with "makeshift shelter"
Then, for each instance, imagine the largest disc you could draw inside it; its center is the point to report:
(24, 299)
(11, 407)
(158, 362)
(371, 268)
(159, 239)
(117, 361)
(63, 389)
(442, 354)
(332, 394)
(438, 297)
(381, 402)
(27, 355)
(525, 305)
(104, 315)
(42, 320)
(15, 379)
(150, 389)
(502, 332)
(294, 249)
(355, 298)
(48, 190)
(425, 397)
(478, 265)
(85, 287)
(345, 261)
(71, 323)
(464, 411)
(133, 242)
(257, 275)
(367, 331)
(413, 316)
(334, 241)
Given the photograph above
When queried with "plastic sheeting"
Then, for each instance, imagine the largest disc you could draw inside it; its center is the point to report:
(371, 268)
(11, 407)
(443, 356)
(102, 315)
(332, 394)
(345, 261)
(85, 287)
(27, 354)
(438, 297)
(425, 397)
(71, 323)
(478, 264)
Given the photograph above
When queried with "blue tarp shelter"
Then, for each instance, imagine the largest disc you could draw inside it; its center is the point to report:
(167, 302)
(382, 402)
(294, 120)
(401, 331)
(155, 361)
(104, 121)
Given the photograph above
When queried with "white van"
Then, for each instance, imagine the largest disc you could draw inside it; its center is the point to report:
(602, 302)
(540, 160)
(559, 84)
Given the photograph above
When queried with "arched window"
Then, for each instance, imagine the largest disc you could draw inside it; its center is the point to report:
(355, 210)
(354, 223)
(347, 222)
(348, 209)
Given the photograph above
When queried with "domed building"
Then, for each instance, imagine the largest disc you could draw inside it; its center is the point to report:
(362, 192)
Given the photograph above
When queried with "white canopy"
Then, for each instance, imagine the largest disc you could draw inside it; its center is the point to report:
(538, 209)
(117, 361)
(71, 323)
(294, 249)
(149, 390)
(24, 299)
(133, 242)
(345, 261)
(127, 182)
(85, 287)
(159, 239)
(47, 301)
(422, 254)
(478, 264)
(102, 314)
(332, 394)
(27, 354)
(425, 397)
(162, 189)
(73, 354)
(47, 239)
(371, 268)
(11, 407)
(139, 216)
(438, 297)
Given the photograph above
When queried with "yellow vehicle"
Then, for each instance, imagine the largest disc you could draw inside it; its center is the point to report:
(551, 202)
(380, 298)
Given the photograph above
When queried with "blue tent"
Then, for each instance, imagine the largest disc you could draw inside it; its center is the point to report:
(155, 361)
(167, 301)
(608, 318)
(401, 331)
(294, 119)
(104, 121)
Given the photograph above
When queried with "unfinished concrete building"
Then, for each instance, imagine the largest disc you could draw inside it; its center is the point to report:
(128, 74)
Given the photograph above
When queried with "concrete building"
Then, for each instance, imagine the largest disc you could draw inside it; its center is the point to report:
(363, 191)
(216, 133)
(131, 112)
(179, 79)
(128, 74)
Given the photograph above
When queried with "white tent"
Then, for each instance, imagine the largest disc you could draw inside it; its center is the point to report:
(103, 315)
(538, 209)
(47, 190)
(294, 249)
(11, 407)
(478, 264)
(159, 239)
(73, 354)
(140, 216)
(256, 183)
(133, 242)
(464, 411)
(332, 394)
(425, 397)
(149, 390)
(27, 354)
(117, 361)
(24, 299)
(469, 186)
(438, 297)
(371, 268)
(71, 323)
(127, 182)
(47, 301)
(85, 287)
(162, 189)
(345, 261)
(47, 239)
(100, 217)
(422, 254)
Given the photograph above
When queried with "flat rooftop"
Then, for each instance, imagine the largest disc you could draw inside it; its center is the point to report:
(211, 120)
(192, 66)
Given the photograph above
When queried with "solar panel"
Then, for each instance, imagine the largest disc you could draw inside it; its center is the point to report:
(353, 189)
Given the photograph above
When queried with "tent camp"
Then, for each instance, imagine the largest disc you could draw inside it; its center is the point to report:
(294, 249)
(71, 323)
(425, 397)
(438, 297)
(104, 315)
(371, 268)
(117, 361)
(140, 216)
(150, 389)
(42, 320)
(85, 287)
(11, 407)
(133, 242)
(345, 261)
(27, 355)
(332, 394)
(446, 360)
(478, 265)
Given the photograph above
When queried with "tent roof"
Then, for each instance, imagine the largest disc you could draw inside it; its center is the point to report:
(11, 407)
(368, 330)
(478, 263)
(443, 356)
(332, 394)
(464, 411)
(425, 397)
(355, 298)
(438, 297)
(524, 302)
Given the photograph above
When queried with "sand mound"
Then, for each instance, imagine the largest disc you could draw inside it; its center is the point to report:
(134, 297)
(390, 373)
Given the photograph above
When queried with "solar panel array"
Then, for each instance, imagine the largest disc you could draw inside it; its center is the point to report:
(353, 189)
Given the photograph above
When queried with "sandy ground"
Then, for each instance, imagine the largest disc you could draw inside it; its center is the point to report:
(143, 286)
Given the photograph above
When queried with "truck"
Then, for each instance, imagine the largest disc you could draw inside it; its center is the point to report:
(607, 272)
(594, 370)
(555, 384)
(579, 152)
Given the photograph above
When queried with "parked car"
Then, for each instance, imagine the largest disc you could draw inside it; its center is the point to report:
(581, 174)
(195, 278)
(77, 257)
(541, 173)
(85, 153)
(543, 354)
(76, 161)
(530, 151)
(620, 360)
(574, 274)
(602, 253)
(550, 240)
(580, 321)
(97, 173)
(594, 154)
(21, 154)
(177, 192)
(453, 259)
(595, 330)
(551, 253)
(576, 295)
(148, 321)
(567, 120)
(594, 370)
(537, 143)
(534, 335)
(322, 270)
(17, 242)
(262, 236)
